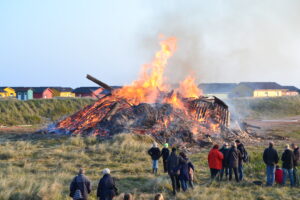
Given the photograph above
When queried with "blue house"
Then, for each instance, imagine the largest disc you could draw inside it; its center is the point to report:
(23, 93)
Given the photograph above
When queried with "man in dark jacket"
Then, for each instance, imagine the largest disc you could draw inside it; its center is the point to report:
(296, 163)
(80, 186)
(234, 155)
(242, 149)
(155, 154)
(270, 158)
(165, 154)
(106, 188)
(172, 166)
(288, 164)
(224, 150)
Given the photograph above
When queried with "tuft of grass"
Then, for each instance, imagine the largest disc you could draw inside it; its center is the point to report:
(39, 111)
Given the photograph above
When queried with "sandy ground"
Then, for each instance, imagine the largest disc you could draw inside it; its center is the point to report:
(285, 129)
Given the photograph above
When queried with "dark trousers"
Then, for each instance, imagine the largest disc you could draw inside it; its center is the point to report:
(184, 185)
(235, 170)
(226, 170)
(109, 197)
(175, 183)
(165, 166)
(214, 173)
(241, 172)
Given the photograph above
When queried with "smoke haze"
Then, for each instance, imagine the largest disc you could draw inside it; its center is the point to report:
(230, 41)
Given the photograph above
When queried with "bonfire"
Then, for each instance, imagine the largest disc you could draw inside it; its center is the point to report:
(151, 106)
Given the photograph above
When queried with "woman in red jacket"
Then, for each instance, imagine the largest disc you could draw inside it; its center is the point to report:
(215, 158)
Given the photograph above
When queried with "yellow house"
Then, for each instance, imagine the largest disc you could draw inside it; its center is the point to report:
(7, 92)
(62, 92)
(268, 93)
(258, 89)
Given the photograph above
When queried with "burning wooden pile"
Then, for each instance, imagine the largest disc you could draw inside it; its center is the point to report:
(111, 115)
(149, 106)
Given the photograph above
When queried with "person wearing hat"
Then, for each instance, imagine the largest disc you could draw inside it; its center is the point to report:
(155, 154)
(165, 154)
(225, 163)
(106, 188)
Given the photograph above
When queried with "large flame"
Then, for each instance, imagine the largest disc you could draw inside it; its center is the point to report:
(152, 82)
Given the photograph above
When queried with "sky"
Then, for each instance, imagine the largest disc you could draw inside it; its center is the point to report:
(58, 42)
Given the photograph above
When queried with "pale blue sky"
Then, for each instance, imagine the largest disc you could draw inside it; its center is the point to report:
(57, 42)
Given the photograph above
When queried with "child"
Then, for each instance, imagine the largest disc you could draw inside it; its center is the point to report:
(278, 175)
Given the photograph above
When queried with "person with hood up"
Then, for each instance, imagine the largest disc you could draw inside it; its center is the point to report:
(234, 155)
(155, 154)
(184, 168)
(287, 159)
(296, 163)
(80, 186)
(270, 158)
(172, 166)
(215, 158)
(106, 188)
(225, 168)
(165, 154)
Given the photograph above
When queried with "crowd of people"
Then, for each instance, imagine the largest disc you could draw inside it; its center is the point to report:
(223, 163)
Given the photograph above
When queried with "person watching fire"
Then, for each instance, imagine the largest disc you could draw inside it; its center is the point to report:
(155, 154)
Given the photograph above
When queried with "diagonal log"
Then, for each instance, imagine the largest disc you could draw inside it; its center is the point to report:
(104, 85)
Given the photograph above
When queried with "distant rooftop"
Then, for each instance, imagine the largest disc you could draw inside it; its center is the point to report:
(62, 89)
(291, 88)
(85, 89)
(261, 85)
(21, 89)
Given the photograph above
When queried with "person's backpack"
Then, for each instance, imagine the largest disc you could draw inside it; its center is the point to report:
(77, 194)
(246, 156)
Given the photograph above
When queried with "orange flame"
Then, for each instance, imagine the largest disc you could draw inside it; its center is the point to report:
(151, 81)
(188, 88)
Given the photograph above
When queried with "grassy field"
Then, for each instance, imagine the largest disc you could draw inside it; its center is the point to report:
(35, 166)
(38, 111)
(266, 107)
(41, 111)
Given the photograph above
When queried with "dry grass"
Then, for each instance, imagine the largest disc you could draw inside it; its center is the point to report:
(41, 167)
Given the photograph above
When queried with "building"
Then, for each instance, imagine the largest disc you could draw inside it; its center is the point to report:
(291, 91)
(23, 93)
(258, 89)
(42, 93)
(62, 92)
(2, 93)
(7, 92)
(220, 90)
(87, 91)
